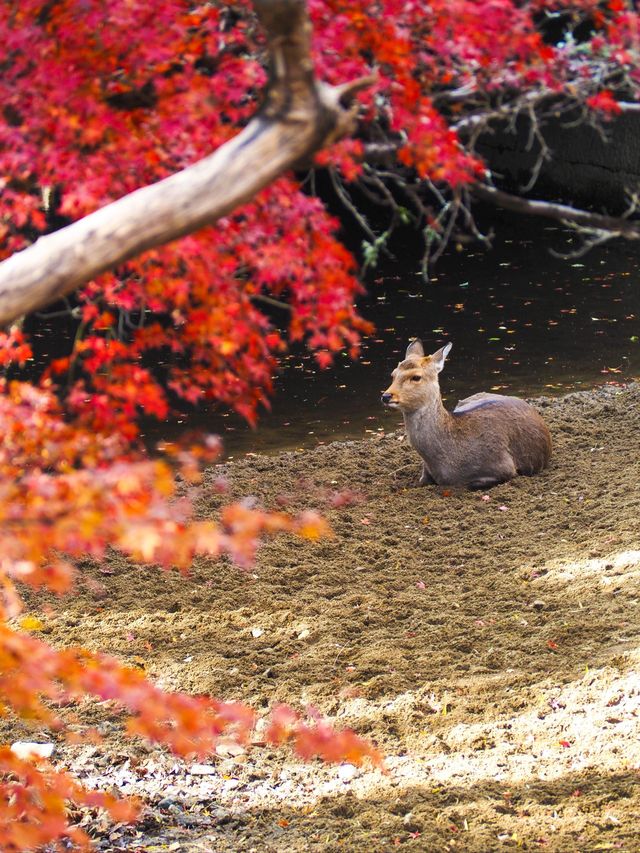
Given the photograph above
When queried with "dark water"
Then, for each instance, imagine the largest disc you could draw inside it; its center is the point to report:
(521, 321)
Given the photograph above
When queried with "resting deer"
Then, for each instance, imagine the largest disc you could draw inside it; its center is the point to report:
(487, 439)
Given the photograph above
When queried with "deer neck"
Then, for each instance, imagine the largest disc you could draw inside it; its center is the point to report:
(429, 426)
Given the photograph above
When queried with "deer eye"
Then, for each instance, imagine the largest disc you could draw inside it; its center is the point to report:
(416, 378)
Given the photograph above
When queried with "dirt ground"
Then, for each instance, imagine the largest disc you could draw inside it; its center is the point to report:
(488, 643)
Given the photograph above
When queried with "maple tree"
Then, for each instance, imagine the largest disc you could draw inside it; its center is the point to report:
(109, 115)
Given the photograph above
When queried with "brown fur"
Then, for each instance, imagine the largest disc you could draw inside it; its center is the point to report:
(488, 439)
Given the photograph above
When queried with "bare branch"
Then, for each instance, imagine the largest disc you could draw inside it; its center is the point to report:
(616, 226)
(298, 117)
(472, 225)
(381, 150)
(627, 107)
(346, 200)
(596, 238)
(345, 92)
(269, 300)
(508, 111)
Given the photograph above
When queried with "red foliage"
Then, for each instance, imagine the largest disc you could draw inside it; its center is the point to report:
(98, 99)
(604, 102)
(34, 805)
(319, 739)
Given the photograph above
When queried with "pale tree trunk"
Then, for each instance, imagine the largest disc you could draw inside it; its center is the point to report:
(299, 116)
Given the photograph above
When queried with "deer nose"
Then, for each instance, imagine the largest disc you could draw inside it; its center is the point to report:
(386, 397)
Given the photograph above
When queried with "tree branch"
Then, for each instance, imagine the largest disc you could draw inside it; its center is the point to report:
(617, 226)
(298, 117)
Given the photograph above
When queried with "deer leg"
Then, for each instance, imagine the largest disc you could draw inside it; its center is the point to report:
(499, 474)
(486, 482)
(426, 479)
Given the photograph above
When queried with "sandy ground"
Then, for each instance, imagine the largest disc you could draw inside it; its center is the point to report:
(488, 643)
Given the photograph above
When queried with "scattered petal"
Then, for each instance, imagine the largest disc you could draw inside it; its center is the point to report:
(27, 750)
(202, 770)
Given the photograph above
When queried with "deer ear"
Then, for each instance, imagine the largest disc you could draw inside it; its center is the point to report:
(415, 348)
(439, 357)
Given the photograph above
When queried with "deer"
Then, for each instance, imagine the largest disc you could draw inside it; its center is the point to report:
(487, 439)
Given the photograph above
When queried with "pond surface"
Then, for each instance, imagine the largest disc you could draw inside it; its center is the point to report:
(521, 322)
